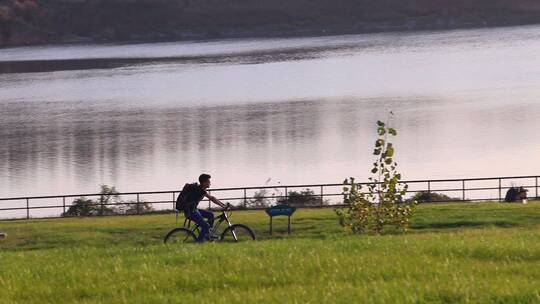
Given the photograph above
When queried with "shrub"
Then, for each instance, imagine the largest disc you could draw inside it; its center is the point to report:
(382, 203)
(108, 203)
(132, 207)
(259, 200)
(426, 197)
(304, 198)
(108, 196)
(82, 206)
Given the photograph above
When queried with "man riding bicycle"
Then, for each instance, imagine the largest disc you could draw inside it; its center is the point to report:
(189, 199)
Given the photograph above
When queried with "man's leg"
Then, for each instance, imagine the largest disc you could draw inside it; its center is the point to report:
(208, 215)
(205, 227)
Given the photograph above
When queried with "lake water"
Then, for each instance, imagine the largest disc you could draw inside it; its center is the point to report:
(466, 103)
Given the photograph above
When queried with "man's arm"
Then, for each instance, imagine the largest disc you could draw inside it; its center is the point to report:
(214, 200)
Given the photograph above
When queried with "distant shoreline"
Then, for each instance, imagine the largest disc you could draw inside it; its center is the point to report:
(118, 21)
(22, 65)
(305, 33)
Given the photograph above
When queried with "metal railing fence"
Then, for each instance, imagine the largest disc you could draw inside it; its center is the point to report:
(465, 190)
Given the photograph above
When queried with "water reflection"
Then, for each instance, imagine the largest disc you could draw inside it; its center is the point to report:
(84, 144)
(76, 146)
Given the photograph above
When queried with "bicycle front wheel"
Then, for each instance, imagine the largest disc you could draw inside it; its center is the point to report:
(237, 233)
(179, 236)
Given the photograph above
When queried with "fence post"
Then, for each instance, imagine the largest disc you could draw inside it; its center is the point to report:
(500, 191)
(27, 208)
(289, 225)
(64, 203)
(209, 205)
(463, 187)
(536, 186)
(173, 202)
(429, 190)
(102, 203)
(138, 208)
(322, 196)
(245, 197)
(286, 195)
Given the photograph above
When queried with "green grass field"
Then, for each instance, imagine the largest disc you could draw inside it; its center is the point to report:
(454, 253)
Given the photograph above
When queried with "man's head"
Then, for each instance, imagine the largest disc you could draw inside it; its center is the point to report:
(204, 180)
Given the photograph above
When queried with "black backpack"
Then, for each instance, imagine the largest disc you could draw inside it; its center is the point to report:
(185, 191)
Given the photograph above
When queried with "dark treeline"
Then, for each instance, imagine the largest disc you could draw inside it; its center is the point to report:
(49, 21)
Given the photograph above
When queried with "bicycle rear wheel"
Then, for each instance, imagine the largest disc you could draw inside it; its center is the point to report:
(237, 233)
(180, 236)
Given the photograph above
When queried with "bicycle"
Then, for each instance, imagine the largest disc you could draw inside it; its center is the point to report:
(232, 233)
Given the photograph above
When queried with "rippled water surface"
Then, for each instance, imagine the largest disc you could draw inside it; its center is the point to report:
(152, 116)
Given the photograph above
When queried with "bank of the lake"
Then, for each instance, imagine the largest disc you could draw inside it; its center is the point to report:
(39, 22)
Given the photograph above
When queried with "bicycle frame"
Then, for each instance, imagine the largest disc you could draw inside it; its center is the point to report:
(223, 217)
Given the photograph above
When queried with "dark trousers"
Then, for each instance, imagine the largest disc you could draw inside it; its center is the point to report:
(198, 216)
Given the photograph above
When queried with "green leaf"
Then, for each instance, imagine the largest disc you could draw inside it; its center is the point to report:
(392, 131)
(377, 151)
(380, 123)
(389, 151)
(388, 161)
(381, 131)
(374, 170)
